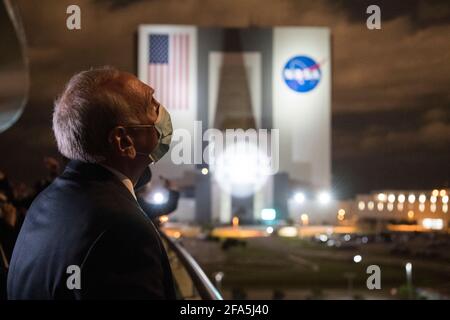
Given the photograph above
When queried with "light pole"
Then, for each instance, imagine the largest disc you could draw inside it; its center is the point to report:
(218, 276)
(408, 268)
(349, 276)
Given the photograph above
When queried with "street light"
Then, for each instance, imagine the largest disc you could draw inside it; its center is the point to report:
(408, 268)
(218, 276)
(299, 197)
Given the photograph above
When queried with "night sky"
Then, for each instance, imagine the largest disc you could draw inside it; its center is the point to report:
(391, 97)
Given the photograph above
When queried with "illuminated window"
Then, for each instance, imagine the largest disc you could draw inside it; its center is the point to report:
(411, 198)
(421, 207)
(435, 224)
(380, 206)
(422, 198)
(370, 205)
(391, 197)
(361, 205)
(445, 199)
(401, 198)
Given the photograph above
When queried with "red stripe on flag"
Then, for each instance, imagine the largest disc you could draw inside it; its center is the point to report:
(180, 83)
(186, 74)
(171, 80)
(183, 97)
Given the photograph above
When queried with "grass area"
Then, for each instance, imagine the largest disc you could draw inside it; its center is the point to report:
(286, 263)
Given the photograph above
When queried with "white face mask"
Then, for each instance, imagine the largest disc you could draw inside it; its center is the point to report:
(163, 125)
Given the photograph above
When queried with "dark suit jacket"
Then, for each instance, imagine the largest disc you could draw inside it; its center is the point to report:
(88, 218)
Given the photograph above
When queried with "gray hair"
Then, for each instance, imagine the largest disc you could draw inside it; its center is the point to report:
(92, 103)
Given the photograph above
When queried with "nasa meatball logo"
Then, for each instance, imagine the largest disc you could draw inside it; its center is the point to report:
(302, 74)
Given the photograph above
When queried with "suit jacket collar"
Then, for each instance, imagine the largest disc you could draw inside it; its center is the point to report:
(96, 172)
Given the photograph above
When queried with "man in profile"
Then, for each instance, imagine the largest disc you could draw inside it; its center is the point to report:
(111, 127)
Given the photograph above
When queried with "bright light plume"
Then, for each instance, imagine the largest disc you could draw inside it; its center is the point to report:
(299, 197)
(205, 171)
(158, 198)
(241, 169)
(268, 214)
(357, 258)
(269, 230)
(324, 197)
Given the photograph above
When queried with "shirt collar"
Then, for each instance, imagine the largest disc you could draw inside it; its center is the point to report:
(124, 179)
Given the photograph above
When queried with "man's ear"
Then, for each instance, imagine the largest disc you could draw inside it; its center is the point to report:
(122, 144)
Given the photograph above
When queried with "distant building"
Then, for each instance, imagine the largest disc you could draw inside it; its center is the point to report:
(402, 210)
(248, 78)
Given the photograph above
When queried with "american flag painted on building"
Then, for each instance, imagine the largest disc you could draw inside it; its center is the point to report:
(168, 68)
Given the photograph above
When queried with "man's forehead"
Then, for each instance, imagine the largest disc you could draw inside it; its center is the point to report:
(146, 88)
(150, 89)
(133, 81)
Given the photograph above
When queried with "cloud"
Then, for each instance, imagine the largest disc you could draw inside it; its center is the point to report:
(376, 140)
(373, 69)
(381, 73)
